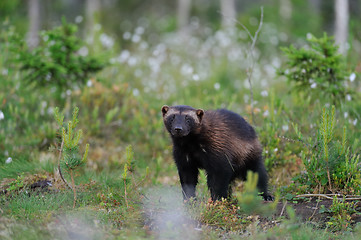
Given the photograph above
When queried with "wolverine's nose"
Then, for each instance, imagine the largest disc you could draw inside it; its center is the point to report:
(178, 129)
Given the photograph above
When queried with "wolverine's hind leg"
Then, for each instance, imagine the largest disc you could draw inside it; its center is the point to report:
(262, 182)
(219, 184)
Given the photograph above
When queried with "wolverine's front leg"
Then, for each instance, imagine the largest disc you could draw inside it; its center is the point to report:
(188, 176)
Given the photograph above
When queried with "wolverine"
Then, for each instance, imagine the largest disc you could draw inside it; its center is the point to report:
(221, 142)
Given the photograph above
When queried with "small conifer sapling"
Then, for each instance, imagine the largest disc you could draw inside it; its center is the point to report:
(69, 157)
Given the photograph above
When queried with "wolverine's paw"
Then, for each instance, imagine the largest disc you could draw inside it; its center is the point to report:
(268, 198)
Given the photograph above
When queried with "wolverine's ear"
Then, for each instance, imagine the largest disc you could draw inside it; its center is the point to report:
(200, 114)
(165, 109)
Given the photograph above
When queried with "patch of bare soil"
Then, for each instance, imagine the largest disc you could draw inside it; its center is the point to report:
(308, 210)
(313, 210)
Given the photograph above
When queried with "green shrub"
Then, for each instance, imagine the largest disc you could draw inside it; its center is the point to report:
(57, 62)
(318, 70)
(341, 211)
(328, 162)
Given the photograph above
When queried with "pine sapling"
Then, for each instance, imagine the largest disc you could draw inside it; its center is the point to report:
(124, 177)
(127, 167)
(69, 157)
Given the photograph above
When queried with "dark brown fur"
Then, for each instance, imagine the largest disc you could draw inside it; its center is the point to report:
(221, 142)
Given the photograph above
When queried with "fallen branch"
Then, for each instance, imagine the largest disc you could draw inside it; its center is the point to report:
(330, 196)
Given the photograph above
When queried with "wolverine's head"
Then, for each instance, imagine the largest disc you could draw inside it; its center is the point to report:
(181, 120)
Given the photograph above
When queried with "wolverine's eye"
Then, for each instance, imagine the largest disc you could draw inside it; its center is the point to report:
(188, 120)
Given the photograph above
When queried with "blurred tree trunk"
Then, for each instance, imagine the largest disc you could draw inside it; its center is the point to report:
(341, 24)
(316, 5)
(91, 8)
(285, 9)
(34, 23)
(228, 10)
(183, 14)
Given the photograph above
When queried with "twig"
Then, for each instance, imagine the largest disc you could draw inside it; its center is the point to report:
(250, 69)
(59, 169)
(72, 182)
(328, 176)
(330, 196)
(283, 208)
(319, 189)
(296, 141)
(250, 54)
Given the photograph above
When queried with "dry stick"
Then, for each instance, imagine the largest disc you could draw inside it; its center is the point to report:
(283, 208)
(319, 189)
(73, 184)
(59, 169)
(250, 54)
(328, 176)
(296, 141)
(329, 196)
(250, 70)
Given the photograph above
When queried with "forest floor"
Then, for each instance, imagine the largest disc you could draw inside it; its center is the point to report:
(165, 215)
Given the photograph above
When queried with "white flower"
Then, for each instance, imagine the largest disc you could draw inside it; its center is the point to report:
(275, 150)
(132, 61)
(106, 40)
(89, 83)
(264, 93)
(124, 55)
(266, 113)
(195, 77)
(348, 97)
(186, 69)
(352, 77)
(217, 86)
(313, 85)
(9, 160)
(139, 30)
(135, 92)
(354, 122)
(136, 38)
(79, 19)
(1, 115)
(345, 114)
(127, 35)
(50, 111)
(83, 51)
(285, 128)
